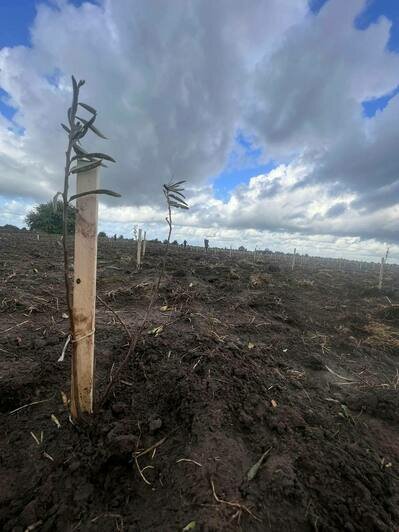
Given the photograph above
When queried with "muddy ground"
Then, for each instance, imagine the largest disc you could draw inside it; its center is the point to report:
(240, 360)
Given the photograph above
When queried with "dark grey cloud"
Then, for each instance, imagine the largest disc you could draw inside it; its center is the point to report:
(366, 161)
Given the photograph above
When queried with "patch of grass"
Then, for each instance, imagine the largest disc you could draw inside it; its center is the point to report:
(380, 334)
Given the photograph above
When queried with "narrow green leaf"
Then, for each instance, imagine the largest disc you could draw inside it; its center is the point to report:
(97, 132)
(176, 190)
(98, 191)
(92, 156)
(179, 200)
(179, 193)
(88, 108)
(75, 97)
(87, 123)
(101, 156)
(66, 128)
(80, 154)
(84, 121)
(177, 205)
(77, 133)
(78, 150)
(85, 167)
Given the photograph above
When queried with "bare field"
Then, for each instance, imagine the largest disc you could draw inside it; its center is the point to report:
(241, 358)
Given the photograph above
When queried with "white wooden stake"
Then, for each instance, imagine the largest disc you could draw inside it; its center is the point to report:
(139, 249)
(84, 293)
(144, 244)
(293, 260)
(381, 273)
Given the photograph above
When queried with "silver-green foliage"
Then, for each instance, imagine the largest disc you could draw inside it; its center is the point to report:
(77, 129)
(174, 195)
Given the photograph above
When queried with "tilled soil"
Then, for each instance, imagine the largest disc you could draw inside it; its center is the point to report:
(240, 360)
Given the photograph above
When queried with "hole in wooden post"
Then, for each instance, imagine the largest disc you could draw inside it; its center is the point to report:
(77, 281)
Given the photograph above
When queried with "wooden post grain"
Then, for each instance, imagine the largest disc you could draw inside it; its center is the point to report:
(84, 294)
(381, 276)
(139, 249)
(293, 260)
(144, 244)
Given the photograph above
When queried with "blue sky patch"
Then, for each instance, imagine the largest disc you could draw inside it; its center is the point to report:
(316, 5)
(228, 180)
(373, 11)
(370, 107)
(245, 161)
(8, 111)
(16, 18)
(5, 109)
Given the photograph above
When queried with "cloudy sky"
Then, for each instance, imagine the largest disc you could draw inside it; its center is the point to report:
(283, 116)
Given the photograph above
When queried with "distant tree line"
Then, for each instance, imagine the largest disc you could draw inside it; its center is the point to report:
(47, 218)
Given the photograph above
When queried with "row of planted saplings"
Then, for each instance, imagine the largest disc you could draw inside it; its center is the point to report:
(294, 259)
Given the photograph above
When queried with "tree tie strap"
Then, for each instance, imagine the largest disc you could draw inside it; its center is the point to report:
(75, 340)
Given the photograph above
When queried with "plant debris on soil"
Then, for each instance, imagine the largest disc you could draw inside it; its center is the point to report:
(259, 398)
